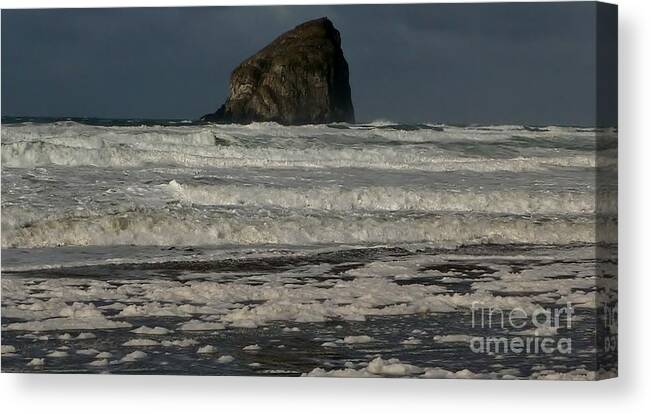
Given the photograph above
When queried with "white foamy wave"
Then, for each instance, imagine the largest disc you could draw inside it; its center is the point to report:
(269, 184)
(390, 198)
(147, 227)
(77, 134)
(202, 134)
(39, 153)
(273, 146)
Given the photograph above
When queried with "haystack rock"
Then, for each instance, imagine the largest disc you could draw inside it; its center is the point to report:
(299, 78)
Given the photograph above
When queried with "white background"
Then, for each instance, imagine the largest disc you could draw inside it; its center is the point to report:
(27, 394)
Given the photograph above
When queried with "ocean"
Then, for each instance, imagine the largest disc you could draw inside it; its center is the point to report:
(380, 249)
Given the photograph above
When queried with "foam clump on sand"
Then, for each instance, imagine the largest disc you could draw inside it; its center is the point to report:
(441, 373)
(141, 342)
(99, 363)
(393, 367)
(7, 350)
(36, 362)
(246, 323)
(152, 309)
(359, 339)
(574, 375)
(452, 338)
(145, 330)
(377, 367)
(81, 336)
(57, 354)
(294, 329)
(208, 349)
(183, 343)
(78, 316)
(133, 356)
(411, 341)
(339, 373)
(225, 359)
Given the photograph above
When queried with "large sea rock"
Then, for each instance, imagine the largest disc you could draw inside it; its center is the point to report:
(299, 78)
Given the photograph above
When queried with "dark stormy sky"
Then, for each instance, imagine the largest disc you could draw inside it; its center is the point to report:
(455, 63)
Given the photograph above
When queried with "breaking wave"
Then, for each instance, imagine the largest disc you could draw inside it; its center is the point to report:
(29, 154)
(327, 184)
(242, 227)
(269, 145)
(391, 198)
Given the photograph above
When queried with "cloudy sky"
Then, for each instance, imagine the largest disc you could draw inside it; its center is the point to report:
(455, 63)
